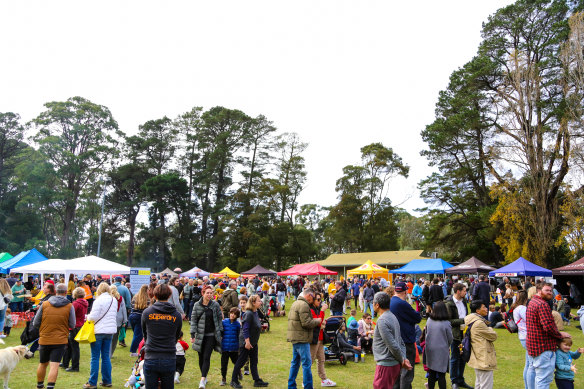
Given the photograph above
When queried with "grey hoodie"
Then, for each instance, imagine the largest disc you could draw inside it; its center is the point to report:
(55, 301)
(388, 347)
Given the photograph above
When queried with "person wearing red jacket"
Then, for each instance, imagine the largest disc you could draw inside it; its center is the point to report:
(72, 353)
(316, 346)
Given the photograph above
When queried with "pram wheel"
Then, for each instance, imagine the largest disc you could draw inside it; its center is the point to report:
(342, 359)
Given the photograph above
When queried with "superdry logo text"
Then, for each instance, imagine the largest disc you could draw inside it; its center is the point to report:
(158, 316)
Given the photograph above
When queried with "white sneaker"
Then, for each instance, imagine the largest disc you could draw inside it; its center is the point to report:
(327, 382)
(203, 383)
(176, 376)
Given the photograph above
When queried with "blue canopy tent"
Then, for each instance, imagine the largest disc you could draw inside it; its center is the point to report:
(423, 266)
(521, 267)
(24, 258)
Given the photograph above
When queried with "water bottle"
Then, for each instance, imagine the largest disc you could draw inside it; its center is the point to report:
(356, 357)
(363, 356)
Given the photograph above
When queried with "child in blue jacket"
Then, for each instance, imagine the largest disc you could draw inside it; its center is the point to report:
(230, 342)
(564, 368)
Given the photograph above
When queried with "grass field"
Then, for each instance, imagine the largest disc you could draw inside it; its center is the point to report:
(274, 367)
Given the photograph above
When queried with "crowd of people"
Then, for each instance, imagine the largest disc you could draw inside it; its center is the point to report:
(228, 316)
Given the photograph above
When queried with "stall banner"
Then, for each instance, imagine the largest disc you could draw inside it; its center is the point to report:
(139, 276)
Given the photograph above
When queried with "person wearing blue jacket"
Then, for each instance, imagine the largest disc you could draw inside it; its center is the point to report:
(230, 342)
(564, 368)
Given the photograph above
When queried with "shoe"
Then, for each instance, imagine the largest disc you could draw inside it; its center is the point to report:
(105, 385)
(122, 344)
(260, 384)
(327, 382)
(236, 385)
(239, 375)
(454, 386)
(2, 336)
(63, 366)
(72, 370)
(87, 385)
(223, 383)
(246, 372)
(134, 354)
(465, 385)
(202, 383)
(176, 378)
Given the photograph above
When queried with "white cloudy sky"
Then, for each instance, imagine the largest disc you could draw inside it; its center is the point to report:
(342, 74)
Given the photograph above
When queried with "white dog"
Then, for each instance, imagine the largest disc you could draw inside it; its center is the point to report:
(9, 358)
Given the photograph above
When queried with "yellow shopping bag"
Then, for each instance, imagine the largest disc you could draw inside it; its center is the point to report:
(86, 333)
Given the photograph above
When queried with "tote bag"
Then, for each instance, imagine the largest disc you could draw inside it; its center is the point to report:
(86, 333)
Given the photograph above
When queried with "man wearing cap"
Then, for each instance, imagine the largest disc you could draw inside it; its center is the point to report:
(407, 318)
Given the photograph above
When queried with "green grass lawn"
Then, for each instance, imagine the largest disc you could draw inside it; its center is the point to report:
(274, 366)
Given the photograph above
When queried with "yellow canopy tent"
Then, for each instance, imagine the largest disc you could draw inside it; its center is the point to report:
(226, 272)
(369, 269)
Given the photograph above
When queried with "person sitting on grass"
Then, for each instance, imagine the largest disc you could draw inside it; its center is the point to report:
(495, 317)
(366, 332)
(344, 344)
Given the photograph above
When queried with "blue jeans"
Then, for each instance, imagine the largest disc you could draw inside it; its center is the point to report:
(370, 306)
(17, 306)
(457, 364)
(300, 353)
(159, 368)
(101, 347)
(336, 313)
(281, 298)
(2, 318)
(528, 379)
(541, 372)
(135, 320)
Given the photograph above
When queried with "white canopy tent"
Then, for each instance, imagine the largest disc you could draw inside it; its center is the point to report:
(84, 265)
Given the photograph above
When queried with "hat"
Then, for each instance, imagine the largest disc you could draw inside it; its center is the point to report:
(50, 282)
(401, 287)
(118, 279)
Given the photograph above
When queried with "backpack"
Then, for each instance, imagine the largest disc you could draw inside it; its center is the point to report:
(466, 345)
(509, 323)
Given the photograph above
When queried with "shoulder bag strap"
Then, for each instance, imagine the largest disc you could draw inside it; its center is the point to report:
(106, 311)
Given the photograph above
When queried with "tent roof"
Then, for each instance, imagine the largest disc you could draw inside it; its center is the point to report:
(169, 272)
(521, 267)
(91, 265)
(368, 268)
(5, 257)
(260, 271)
(383, 258)
(470, 266)
(307, 269)
(424, 266)
(575, 268)
(195, 272)
(22, 259)
(228, 272)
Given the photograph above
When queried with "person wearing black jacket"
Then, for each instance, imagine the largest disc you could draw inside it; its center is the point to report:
(248, 344)
(161, 326)
(482, 291)
(435, 293)
(338, 300)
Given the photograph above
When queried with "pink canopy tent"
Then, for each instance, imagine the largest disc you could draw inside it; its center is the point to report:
(307, 269)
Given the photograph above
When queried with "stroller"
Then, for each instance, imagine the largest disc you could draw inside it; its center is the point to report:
(136, 379)
(332, 349)
(423, 308)
(264, 319)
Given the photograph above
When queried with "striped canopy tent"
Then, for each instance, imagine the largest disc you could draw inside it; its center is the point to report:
(369, 269)
(227, 272)
(5, 257)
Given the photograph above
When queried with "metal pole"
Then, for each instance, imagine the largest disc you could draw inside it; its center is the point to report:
(101, 219)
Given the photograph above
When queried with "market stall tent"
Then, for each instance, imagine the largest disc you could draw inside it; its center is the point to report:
(521, 267)
(573, 269)
(369, 269)
(307, 269)
(5, 257)
(169, 272)
(260, 271)
(227, 272)
(22, 259)
(423, 266)
(195, 272)
(470, 266)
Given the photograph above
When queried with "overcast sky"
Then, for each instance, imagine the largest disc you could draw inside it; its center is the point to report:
(342, 74)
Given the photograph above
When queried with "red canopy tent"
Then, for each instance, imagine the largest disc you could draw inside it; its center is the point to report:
(307, 269)
(575, 268)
